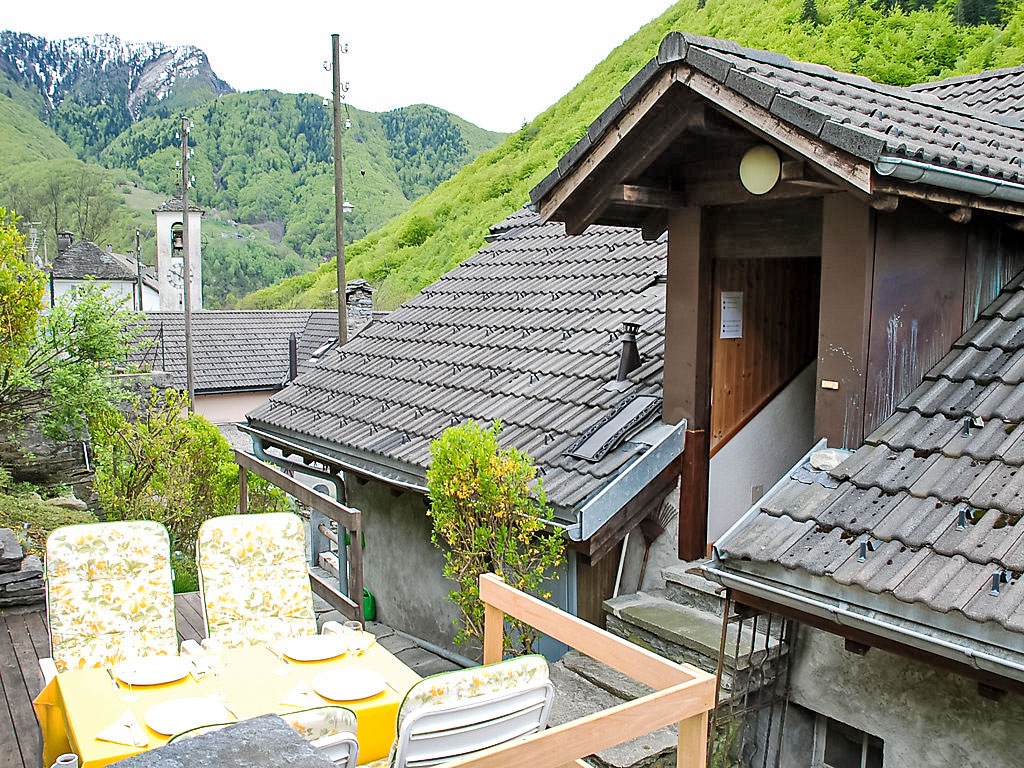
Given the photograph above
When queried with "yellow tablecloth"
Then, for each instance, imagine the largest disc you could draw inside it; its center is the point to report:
(77, 705)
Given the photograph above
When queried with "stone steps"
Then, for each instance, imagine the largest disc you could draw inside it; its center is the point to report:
(21, 578)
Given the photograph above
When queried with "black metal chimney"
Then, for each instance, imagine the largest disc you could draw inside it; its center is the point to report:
(293, 357)
(629, 359)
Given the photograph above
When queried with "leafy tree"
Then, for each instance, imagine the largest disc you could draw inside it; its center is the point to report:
(489, 514)
(55, 364)
(171, 466)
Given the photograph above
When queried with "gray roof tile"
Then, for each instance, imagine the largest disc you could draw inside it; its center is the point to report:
(906, 489)
(525, 331)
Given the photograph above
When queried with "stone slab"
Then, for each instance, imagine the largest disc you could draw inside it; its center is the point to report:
(577, 697)
(30, 568)
(604, 677)
(424, 663)
(261, 742)
(10, 549)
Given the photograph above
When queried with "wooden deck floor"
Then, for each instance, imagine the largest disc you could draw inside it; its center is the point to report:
(23, 641)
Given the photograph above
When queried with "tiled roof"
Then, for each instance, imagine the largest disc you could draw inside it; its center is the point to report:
(866, 119)
(997, 91)
(939, 504)
(525, 331)
(175, 204)
(234, 350)
(85, 259)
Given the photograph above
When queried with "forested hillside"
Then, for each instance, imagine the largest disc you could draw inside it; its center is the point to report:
(889, 41)
(266, 158)
(263, 162)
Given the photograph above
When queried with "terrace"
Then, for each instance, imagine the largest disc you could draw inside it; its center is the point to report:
(682, 695)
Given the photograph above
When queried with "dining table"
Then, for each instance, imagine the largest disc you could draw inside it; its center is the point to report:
(77, 705)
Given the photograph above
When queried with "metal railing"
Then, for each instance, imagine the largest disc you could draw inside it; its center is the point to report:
(336, 573)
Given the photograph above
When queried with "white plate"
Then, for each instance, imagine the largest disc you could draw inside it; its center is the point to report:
(348, 684)
(153, 670)
(177, 715)
(313, 647)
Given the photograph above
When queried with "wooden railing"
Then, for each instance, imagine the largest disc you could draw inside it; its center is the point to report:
(683, 694)
(345, 594)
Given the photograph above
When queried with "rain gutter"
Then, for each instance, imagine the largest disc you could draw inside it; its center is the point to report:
(842, 616)
(629, 482)
(949, 178)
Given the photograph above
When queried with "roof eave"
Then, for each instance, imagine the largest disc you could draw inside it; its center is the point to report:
(867, 617)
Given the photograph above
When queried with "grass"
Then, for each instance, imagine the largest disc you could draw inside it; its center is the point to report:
(33, 520)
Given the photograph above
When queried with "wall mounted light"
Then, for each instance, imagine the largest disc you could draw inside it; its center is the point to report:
(760, 169)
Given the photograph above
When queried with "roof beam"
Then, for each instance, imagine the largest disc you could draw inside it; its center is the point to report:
(649, 138)
(834, 163)
(947, 196)
(646, 197)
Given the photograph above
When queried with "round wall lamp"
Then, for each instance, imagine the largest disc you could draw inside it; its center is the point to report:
(760, 169)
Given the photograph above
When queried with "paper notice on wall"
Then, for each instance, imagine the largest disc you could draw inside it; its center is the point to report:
(732, 315)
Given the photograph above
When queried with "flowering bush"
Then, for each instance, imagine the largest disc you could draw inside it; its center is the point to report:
(489, 514)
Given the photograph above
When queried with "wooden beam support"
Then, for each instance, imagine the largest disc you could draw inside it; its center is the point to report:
(833, 164)
(796, 173)
(947, 196)
(659, 127)
(960, 215)
(646, 197)
(732, 192)
(693, 495)
(884, 203)
(599, 152)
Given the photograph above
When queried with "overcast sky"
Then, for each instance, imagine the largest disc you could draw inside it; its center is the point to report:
(495, 64)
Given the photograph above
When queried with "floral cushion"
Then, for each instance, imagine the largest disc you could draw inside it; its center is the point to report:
(449, 687)
(253, 578)
(318, 722)
(109, 593)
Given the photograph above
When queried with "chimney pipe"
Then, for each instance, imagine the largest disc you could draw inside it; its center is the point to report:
(293, 357)
(629, 359)
(64, 241)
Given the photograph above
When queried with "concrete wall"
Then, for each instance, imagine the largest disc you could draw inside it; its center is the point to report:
(114, 288)
(230, 407)
(928, 717)
(758, 455)
(401, 567)
(150, 299)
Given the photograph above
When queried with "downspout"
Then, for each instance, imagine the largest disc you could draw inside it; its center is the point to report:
(948, 178)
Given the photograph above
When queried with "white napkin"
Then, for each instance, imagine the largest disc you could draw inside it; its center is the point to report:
(125, 730)
(332, 628)
(302, 696)
(192, 648)
(200, 668)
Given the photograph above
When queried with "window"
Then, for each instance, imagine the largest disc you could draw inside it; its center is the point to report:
(838, 745)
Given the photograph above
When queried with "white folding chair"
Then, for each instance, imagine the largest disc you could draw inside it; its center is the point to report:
(253, 580)
(109, 594)
(330, 730)
(458, 713)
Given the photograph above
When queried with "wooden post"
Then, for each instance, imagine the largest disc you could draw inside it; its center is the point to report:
(689, 311)
(494, 633)
(693, 742)
(243, 490)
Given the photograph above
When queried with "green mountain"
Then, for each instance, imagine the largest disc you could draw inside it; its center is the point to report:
(887, 40)
(266, 159)
(262, 161)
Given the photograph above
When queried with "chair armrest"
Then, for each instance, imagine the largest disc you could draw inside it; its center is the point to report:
(49, 670)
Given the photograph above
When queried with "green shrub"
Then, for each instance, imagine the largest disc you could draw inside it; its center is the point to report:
(33, 520)
(489, 515)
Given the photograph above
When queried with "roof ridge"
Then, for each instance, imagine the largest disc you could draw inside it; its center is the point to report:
(985, 74)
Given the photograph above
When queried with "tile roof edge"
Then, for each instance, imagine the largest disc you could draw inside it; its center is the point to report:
(954, 79)
(885, 615)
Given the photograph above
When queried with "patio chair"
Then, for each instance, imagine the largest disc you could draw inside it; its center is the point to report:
(253, 581)
(330, 730)
(109, 594)
(455, 714)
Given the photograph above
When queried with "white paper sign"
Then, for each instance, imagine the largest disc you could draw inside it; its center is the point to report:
(732, 315)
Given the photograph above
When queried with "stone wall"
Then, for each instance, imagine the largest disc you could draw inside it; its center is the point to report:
(21, 578)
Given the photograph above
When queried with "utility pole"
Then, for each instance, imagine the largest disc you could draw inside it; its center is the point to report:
(186, 265)
(138, 268)
(339, 191)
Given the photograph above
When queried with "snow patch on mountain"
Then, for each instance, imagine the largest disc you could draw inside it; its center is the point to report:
(145, 70)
